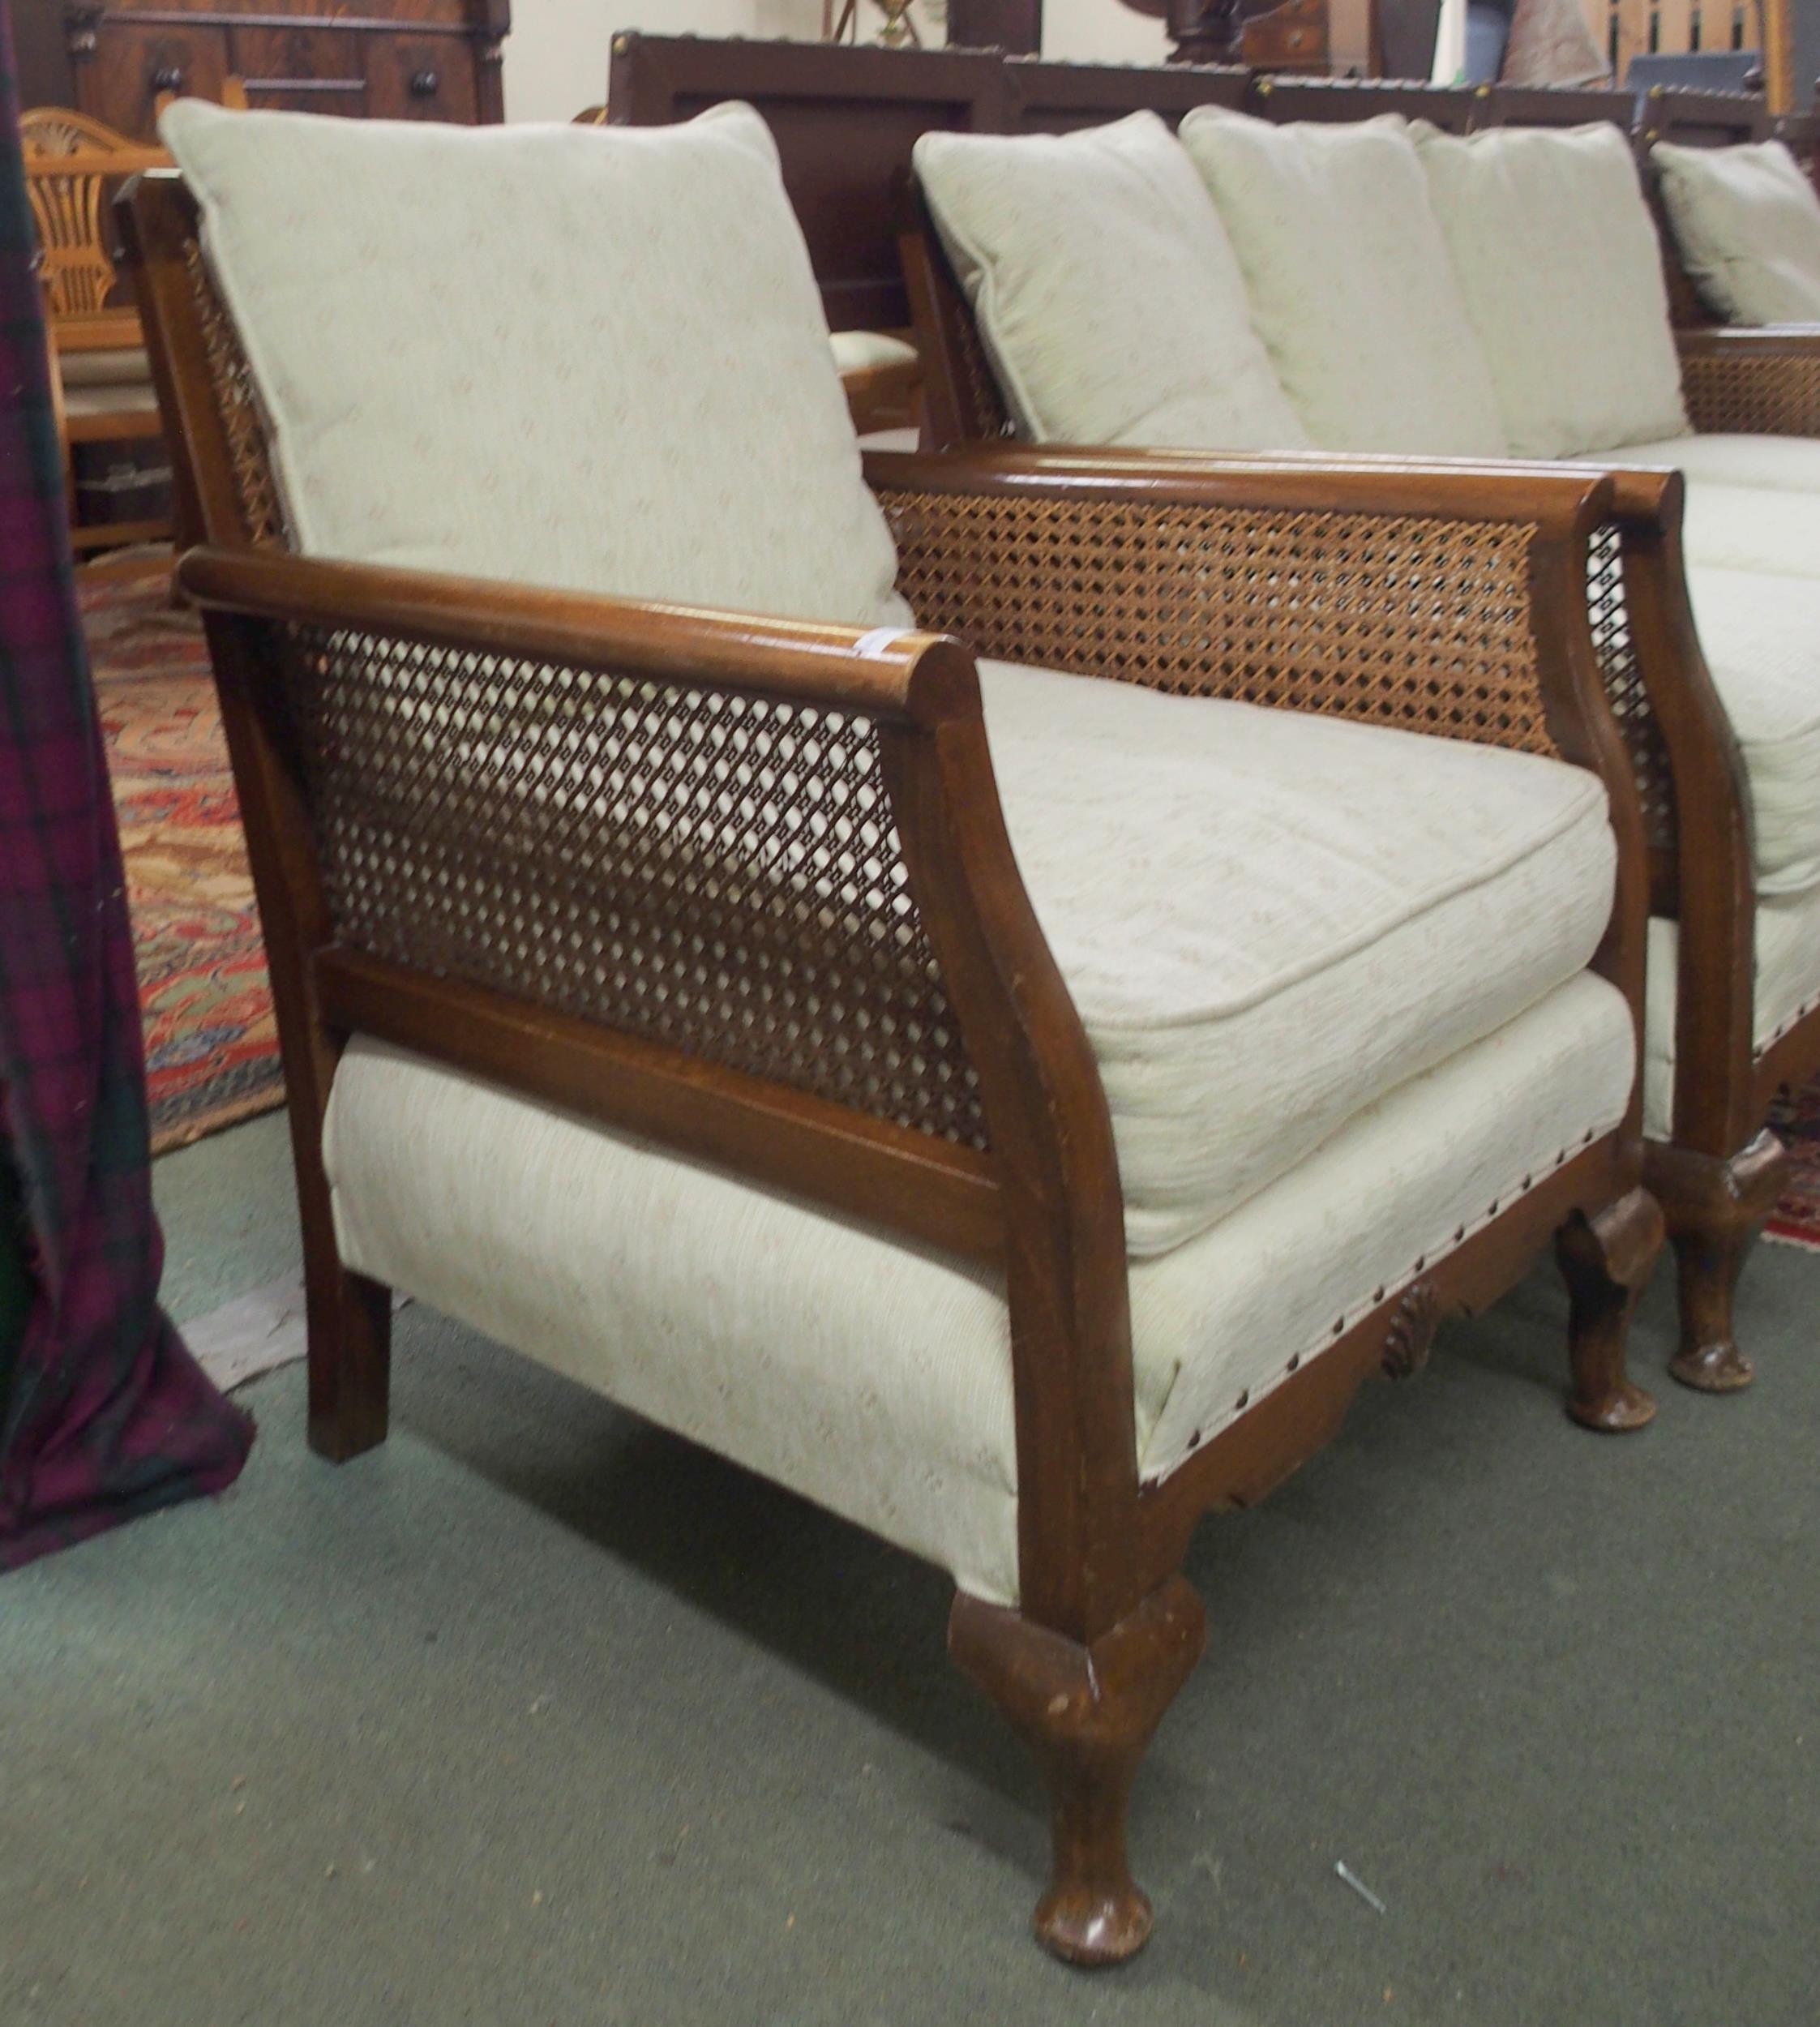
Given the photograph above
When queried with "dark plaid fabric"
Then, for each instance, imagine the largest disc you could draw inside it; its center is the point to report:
(107, 1415)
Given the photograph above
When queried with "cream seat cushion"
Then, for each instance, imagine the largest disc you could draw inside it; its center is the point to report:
(1106, 288)
(869, 351)
(874, 1376)
(1561, 270)
(1770, 464)
(1352, 289)
(1773, 530)
(1747, 221)
(1787, 988)
(588, 358)
(1267, 920)
(1761, 638)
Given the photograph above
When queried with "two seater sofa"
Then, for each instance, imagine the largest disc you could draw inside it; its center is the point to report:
(1014, 1103)
(1380, 288)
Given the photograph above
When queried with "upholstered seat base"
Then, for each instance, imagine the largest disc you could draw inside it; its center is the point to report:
(1787, 987)
(874, 1376)
(1762, 637)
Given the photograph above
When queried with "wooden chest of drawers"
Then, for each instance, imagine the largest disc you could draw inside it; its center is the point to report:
(377, 59)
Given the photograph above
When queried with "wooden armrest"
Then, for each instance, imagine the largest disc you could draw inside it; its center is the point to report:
(890, 675)
(1439, 597)
(1757, 383)
(1556, 500)
(739, 884)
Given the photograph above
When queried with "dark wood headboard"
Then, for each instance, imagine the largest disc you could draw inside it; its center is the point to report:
(847, 117)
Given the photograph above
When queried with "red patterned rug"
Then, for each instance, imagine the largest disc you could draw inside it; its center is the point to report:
(211, 1042)
(1797, 1118)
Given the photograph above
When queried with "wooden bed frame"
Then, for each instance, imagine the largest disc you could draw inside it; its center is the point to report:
(1012, 1160)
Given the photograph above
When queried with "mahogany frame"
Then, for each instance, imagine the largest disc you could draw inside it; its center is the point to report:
(1108, 1628)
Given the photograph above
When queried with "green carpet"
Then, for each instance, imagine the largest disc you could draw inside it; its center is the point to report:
(537, 1714)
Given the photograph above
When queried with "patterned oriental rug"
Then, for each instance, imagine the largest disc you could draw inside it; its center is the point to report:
(1797, 1118)
(211, 1041)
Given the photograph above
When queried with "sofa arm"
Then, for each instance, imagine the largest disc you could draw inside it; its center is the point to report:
(656, 858)
(1764, 382)
(1440, 598)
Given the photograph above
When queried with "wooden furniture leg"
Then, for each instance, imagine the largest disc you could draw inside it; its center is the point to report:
(1606, 1260)
(350, 1362)
(1087, 1714)
(1716, 1209)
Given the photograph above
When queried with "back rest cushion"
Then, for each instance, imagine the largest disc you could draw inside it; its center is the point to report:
(588, 357)
(1106, 288)
(1351, 288)
(1748, 224)
(1561, 270)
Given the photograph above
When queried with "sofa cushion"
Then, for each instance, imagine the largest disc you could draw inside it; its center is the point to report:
(870, 1374)
(1773, 530)
(1561, 270)
(589, 357)
(1774, 464)
(1106, 287)
(1748, 224)
(1351, 288)
(1761, 638)
(1268, 919)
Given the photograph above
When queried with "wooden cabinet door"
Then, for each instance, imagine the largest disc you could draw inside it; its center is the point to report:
(421, 77)
(302, 70)
(132, 66)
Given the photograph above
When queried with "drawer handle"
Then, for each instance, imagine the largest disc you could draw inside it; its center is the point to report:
(169, 78)
(424, 85)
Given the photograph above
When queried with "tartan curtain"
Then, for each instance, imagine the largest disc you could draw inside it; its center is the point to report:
(107, 1415)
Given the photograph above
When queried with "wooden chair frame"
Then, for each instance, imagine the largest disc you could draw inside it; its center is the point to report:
(1721, 1173)
(71, 162)
(1108, 1628)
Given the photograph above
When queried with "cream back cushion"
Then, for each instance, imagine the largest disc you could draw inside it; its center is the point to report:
(590, 357)
(1748, 224)
(1559, 263)
(1351, 288)
(1106, 287)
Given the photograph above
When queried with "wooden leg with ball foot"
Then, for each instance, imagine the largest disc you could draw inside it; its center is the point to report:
(1606, 1260)
(1087, 1714)
(1716, 1209)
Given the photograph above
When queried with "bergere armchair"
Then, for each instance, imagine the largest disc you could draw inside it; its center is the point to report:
(1338, 280)
(1015, 1106)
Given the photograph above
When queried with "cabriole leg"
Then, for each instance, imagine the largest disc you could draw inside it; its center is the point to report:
(1087, 1714)
(1716, 1209)
(1605, 1261)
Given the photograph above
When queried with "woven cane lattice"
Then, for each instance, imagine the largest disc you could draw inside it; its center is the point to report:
(720, 873)
(1766, 394)
(987, 415)
(1624, 687)
(1398, 620)
(261, 517)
